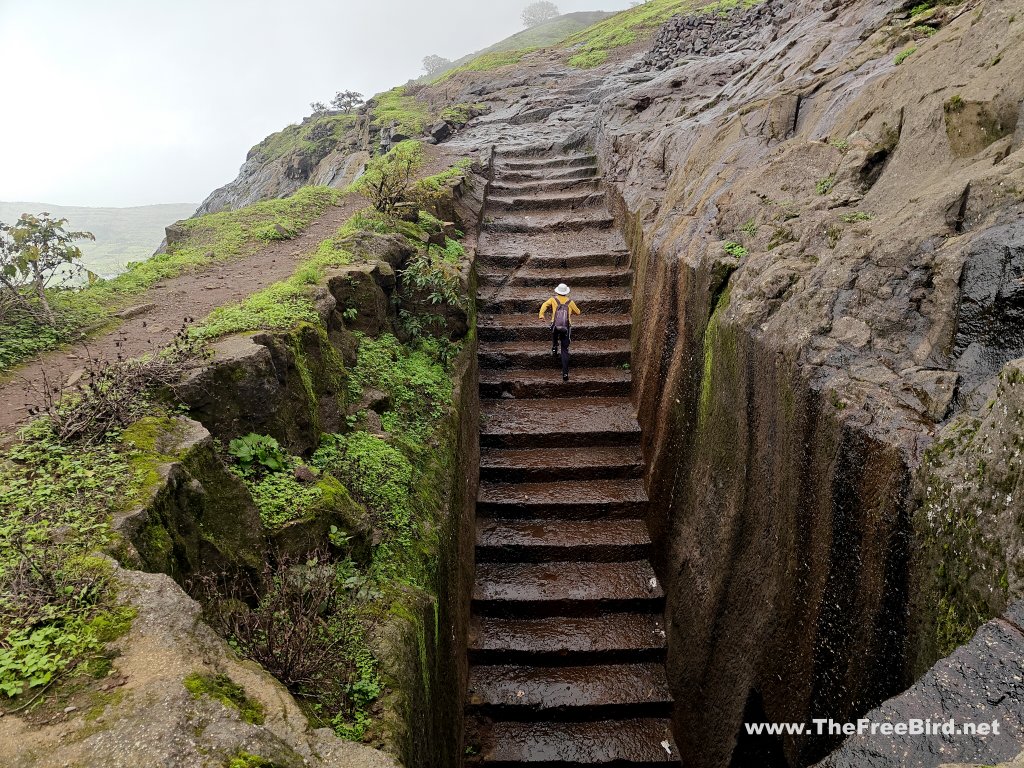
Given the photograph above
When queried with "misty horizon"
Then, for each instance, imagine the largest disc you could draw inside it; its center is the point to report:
(140, 105)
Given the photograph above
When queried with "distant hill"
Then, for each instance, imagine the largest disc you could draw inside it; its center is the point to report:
(122, 234)
(548, 33)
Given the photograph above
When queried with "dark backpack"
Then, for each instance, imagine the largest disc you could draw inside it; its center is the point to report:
(561, 317)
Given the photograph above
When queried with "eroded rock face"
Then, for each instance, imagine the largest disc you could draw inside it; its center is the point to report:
(143, 715)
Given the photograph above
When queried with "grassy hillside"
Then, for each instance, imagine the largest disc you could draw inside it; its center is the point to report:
(626, 27)
(122, 234)
(548, 33)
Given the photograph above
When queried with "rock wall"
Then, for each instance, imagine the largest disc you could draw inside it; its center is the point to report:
(805, 232)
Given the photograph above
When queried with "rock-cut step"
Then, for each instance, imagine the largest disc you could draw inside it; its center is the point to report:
(616, 300)
(558, 423)
(608, 638)
(549, 201)
(526, 326)
(543, 464)
(599, 353)
(604, 691)
(566, 499)
(504, 540)
(504, 259)
(536, 273)
(636, 743)
(502, 188)
(565, 588)
(548, 222)
(538, 175)
(546, 163)
(533, 383)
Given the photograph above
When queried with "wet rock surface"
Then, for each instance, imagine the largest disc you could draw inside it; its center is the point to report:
(981, 682)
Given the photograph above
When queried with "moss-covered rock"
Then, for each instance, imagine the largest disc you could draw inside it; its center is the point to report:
(334, 511)
(195, 515)
(969, 524)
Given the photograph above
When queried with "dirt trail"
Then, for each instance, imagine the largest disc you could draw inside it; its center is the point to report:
(191, 295)
(567, 644)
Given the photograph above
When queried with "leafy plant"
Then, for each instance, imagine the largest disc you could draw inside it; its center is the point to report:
(750, 228)
(954, 104)
(841, 144)
(734, 249)
(825, 185)
(853, 218)
(256, 449)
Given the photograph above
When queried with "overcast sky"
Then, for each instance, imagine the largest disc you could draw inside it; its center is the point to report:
(122, 102)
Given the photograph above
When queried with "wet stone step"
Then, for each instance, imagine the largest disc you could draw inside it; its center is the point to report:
(540, 256)
(567, 693)
(544, 223)
(615, 300)
(635, 742)
(546, 201)
(597, 353)
(557, 162)
(500, 540)
(543, 423)
(548, 277)
(565, 588)
(533, 176)
(552, 243)
(541, 464)
(614, 637)
(566, 499)
(530, 383)
(527, 326)
(502, 188)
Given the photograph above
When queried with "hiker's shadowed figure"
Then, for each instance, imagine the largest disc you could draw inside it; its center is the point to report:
(562, 308)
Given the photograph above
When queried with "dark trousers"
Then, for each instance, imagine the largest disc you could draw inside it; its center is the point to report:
(558, 334)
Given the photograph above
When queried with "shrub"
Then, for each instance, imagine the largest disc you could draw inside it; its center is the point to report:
(734, 249)
(825, 185)
(387, 179)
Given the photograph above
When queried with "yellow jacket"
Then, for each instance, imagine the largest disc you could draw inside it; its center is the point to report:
(553, 303)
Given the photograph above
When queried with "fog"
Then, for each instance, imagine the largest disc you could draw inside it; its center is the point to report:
(117, 102)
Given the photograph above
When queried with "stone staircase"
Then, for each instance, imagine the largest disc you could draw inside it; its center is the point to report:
(567, 643)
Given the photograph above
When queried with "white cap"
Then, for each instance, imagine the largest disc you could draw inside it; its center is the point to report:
(562, 289)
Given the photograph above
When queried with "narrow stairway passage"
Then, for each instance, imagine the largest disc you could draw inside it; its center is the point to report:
(567, 641)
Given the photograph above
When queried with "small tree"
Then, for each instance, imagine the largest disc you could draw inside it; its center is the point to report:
(386, 180)
(32, 251)
(318, 107)
(539, 12)
(434, 64)
(346, 101)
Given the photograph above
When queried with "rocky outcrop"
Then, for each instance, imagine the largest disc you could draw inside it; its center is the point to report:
(329, 150)
(143, 714)
(197, 517)
(981, 685)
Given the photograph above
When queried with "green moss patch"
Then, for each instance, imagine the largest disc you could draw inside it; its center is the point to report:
(315, 138)
(223, 689)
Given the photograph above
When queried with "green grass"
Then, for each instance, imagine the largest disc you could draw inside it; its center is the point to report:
(594, 43)
(904, 55)
(208, 239)
(487, 62)
(315, 138)
(395, 106)
(57, 599)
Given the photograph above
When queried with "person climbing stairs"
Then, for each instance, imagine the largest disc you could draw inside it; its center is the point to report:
(567, 639)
